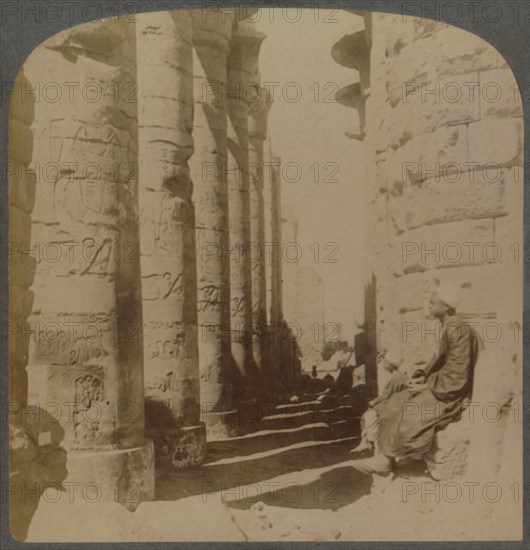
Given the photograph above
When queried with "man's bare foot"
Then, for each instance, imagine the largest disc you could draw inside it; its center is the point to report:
(378, 464)
(363, 446)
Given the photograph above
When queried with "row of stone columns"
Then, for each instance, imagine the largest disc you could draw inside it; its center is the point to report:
(158, 201)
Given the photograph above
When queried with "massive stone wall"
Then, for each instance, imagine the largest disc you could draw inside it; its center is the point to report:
(444, 192)
(444, 120)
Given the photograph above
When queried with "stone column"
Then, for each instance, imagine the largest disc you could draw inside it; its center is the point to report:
(85, 357)
(242, 90)
(281, 361)
(169, 278)
(276, 307)
(21, 266)
(23, 448)
(257, 128)
(211, 39)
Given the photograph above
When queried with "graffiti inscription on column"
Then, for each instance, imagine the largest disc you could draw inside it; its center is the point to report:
(167, 349)
(163, 286)
(208, 298)
(72, 342)
(90, 161)
(238, 306)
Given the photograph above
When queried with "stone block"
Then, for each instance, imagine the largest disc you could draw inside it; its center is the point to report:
(493, 140)
(125, 475)
(412, 67)
(509, 238)
(411, 292)
(97, 292)
(396, 33)
(447, 458)
(447, 102)
(435, 56)
(460, 52)
(19, 228)
(221, 425)
(499, 94)
(494, 387)
(407, 250)
(425, 27)
(466, 242)
(21, 270)
(181, 447)
(22, 186)
(482, 287)
(452, 236)
(476, 194)
(442, 152)
(22, 104)
(20, 303)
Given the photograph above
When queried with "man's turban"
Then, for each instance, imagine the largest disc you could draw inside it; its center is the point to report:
(393, 357)
(449, 294)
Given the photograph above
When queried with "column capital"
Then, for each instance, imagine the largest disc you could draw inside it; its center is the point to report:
(353, 51)
(350, 96)
(242, 67)
(97, 39)
(212, 30)
(259, 111)
(353, 96)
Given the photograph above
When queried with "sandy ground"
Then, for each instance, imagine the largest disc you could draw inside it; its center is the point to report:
(292, 484)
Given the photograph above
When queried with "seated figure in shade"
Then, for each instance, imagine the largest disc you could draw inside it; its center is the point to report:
(370, 419)
(435, 396)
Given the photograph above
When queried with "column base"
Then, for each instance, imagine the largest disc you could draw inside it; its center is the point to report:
(126, 476)
(250, 414)
(180, 447)
(221, 425)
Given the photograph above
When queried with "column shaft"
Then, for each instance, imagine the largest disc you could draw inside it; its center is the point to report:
(167, 233)
(92, 369)
(242, 90)
(208, 168)
(257, 134)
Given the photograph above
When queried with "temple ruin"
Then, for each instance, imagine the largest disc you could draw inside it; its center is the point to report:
(167, 314)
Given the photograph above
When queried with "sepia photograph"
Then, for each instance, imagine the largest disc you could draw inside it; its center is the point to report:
(265, 276)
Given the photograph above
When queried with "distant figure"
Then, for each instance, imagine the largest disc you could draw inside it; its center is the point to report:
(344, 382)
(359, 343)
(314, 371)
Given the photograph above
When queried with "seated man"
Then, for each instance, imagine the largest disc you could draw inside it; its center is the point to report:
(435, 395)
(370, 419)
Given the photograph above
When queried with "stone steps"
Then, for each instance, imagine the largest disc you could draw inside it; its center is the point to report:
(346, 428)
(263, 440)
(273, 453)
(298, 407)
(280, 420)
